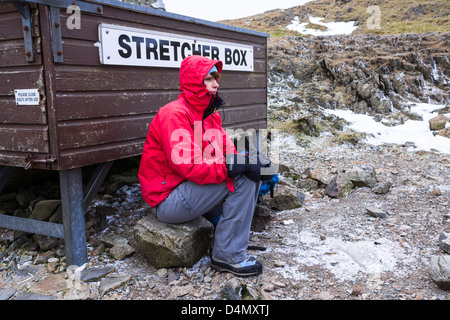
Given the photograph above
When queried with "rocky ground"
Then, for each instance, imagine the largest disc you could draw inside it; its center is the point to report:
(328, 248)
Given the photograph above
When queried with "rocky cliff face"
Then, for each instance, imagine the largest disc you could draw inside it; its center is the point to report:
(365, 73)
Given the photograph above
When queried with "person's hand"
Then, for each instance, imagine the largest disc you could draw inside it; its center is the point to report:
(260, 170)
(237, 164)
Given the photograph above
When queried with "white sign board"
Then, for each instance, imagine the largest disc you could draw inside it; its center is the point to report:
(27, 97)
(138, 47)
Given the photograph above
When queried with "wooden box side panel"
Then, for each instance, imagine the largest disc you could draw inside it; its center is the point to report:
(23, 128)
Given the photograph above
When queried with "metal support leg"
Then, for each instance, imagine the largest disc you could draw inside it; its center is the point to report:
(90, 190)
(71, 185)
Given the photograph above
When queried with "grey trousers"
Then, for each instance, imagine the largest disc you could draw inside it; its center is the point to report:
(190, 200)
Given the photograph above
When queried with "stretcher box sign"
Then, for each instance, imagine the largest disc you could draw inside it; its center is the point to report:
(27, 97)
(138, 47)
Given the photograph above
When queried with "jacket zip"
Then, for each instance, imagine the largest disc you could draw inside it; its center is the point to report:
(204, 131)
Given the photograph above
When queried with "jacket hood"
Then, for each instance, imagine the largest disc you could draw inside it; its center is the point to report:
(193, 71)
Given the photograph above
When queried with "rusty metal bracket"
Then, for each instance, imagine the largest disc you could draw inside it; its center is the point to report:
(31, 160)
(55, 25)
(24, 10)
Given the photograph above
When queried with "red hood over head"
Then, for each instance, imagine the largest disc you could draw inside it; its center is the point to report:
(193, 70)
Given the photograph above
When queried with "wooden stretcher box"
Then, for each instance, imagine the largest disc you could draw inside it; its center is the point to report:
(80, 81)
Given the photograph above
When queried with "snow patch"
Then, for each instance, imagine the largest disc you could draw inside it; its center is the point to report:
(415, 131)
(333, 28)
(344, 259)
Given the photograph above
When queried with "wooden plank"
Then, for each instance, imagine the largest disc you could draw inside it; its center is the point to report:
(7, 7)
(260, 52)
(12, 53)
(86, 105)
(99, 154)
(12, 159)
(236, 80)
(77, 134)
(112, 104)
(26, 138)
(239, 97)
(80, 52)
(14, 114)
(20, 159)
(249, 113)
(27, 77)
(11, 26)
(122, 78)
(259, 65)
(11, 22)
(252, 125)
(115, 78)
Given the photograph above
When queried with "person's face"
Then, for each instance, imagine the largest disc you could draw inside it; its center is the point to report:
(211, 83)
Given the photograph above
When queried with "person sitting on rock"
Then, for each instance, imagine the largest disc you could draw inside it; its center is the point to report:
(184, 174)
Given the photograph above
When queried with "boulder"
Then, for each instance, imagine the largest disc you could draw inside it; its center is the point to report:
(285, 198)
(344, 182)
(120, 251)
(440, 271)
(24, 197)
(45, 209)
(339, 187)
(307, 126)
(438, 122)
(236, 289)
(361, 177)
(7, 293)
(173, 245)
(308, 184)
(349, 137)
(381, 188)
(112, 282)
(111, 240)
(320, 176)
(444, 133)
(376, 212)
(444, 241)
(94, 274)
(261, 218)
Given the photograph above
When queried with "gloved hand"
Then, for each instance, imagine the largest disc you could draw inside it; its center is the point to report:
(237, 164)
(260, 169)
(267, 172)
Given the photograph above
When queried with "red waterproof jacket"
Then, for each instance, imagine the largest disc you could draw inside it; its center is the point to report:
(180, 145)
